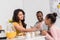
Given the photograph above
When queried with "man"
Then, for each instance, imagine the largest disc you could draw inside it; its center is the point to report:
(40, 21)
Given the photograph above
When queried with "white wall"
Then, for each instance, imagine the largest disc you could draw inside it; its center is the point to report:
(6, 9)
(54, 8)
(32, 6)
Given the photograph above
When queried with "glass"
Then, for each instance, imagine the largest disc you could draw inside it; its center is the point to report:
(10, 31)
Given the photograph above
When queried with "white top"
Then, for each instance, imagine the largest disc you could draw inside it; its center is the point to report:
(43, 25)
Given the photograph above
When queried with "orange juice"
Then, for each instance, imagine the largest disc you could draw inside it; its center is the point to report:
(10, 34)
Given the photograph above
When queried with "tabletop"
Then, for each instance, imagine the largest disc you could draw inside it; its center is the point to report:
(32, 38)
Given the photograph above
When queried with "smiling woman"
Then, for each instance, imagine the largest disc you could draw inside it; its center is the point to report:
(19, 24)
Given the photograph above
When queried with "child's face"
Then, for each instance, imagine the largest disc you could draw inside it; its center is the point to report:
(47, 21)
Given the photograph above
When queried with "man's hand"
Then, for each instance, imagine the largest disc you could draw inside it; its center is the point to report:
(38, 26)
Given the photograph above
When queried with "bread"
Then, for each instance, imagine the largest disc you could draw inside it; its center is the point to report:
(22, 34)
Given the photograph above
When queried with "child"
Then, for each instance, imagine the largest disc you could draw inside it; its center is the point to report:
(54, 32)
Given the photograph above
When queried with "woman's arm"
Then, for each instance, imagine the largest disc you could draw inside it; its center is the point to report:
(22, 29)
(31, 29)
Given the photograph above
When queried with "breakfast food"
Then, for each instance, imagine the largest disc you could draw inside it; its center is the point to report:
(22, 34)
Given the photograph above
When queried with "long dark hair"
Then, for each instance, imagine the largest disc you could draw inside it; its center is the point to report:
(16, 19)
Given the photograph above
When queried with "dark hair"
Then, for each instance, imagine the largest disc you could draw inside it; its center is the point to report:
(55, 14)
(39, 12)
(15, 17)
(52, 17)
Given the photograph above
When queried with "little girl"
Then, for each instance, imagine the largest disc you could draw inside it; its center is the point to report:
(53, 32)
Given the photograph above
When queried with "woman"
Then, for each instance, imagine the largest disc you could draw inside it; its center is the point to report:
(18, 22)
(54, 32)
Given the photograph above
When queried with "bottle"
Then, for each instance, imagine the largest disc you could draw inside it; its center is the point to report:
(10, 31)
